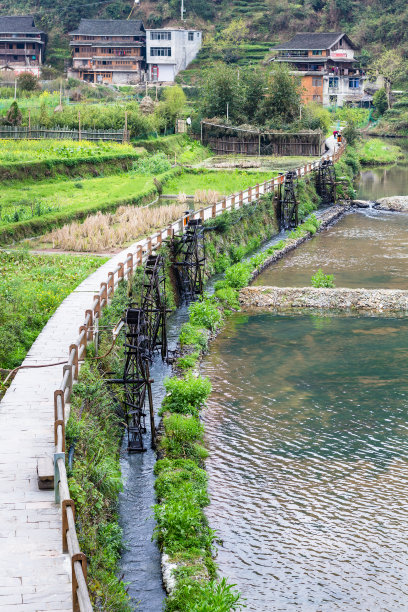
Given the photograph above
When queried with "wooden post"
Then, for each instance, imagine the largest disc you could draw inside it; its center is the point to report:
(79, 125)
(156, 92)
(29, 123)
(259, 145)
(201, 125)
(125, 136)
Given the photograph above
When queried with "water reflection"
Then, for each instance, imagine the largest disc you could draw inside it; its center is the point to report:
(366, 249)
(308, 461)
(376, 183)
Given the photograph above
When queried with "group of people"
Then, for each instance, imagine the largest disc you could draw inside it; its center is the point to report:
(337, 136)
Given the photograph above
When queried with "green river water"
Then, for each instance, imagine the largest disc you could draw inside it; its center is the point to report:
(308, 437)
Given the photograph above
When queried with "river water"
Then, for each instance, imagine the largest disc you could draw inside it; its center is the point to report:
(308, 436)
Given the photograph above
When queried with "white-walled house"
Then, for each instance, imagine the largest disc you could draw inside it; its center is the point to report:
(170, 50)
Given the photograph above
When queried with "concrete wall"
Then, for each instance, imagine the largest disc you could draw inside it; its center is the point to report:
(181, 52)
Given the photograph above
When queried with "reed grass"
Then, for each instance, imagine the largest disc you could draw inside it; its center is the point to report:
(103, 232)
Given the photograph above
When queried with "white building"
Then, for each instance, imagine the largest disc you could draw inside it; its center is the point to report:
(170, 50)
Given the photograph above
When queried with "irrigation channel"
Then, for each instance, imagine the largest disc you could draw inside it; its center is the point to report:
(295, 473)
(307, 429)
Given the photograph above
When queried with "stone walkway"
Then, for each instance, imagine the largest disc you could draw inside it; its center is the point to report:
(34, 574)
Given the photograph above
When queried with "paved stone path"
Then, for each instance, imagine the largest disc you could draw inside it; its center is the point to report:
(34, 574)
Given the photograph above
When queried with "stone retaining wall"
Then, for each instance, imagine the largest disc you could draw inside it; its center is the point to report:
(288, 298)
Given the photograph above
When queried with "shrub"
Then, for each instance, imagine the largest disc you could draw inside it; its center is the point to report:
(152, 165)
(191, 335)
(238, 275)
(205, 314)
(27, 81)
(188, 361)
(185, 395)
(322, 280)
(228, 296)
(193, 596)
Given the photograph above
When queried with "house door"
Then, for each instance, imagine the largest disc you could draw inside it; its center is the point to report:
(155, 73)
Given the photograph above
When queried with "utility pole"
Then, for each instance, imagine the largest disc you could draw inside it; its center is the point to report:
(182, 10)
(227, 110)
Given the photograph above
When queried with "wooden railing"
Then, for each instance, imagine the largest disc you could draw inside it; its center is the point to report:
(77, 351)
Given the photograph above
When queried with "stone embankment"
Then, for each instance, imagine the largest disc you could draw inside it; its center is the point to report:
(358, 300)
(393, 203)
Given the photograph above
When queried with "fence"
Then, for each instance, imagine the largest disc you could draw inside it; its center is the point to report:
(227, 140)
(87, 332)
(61, 133)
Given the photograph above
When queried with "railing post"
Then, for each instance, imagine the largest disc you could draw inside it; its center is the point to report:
(82, 560)
(129, 270)
(121, 271)
(104, 293)
(97, 309)
(90, 324)
(249, 194)
(73, 347)
(139, 257)
(66, 503)
(111, 282)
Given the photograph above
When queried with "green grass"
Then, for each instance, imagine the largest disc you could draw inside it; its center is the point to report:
(377, 151)
(223, 182)
(35, 150)
(31, 289)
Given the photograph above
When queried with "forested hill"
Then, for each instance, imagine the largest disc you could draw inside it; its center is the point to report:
(373, 24)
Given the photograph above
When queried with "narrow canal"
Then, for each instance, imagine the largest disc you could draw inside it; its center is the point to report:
(307, 428)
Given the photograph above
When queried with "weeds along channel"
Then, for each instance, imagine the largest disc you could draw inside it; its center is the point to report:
(182, 531)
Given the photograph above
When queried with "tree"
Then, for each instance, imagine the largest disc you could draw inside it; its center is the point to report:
(391, 67)
(173, 103)
(253, 88)
(220, 87)
(380, 101)
(281, 105)
(27, 81)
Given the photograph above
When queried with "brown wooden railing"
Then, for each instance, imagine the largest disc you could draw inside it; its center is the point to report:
(80, 596)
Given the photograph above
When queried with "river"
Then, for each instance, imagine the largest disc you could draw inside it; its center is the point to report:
(307, 431)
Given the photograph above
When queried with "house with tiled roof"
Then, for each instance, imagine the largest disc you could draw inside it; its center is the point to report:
(325, 62)
(108, 51)
(22, 45)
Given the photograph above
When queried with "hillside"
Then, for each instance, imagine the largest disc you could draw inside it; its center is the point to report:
(373, 24)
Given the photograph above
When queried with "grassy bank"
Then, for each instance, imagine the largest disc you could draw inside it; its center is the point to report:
(180, 146)
(375, 152)
(31, 289)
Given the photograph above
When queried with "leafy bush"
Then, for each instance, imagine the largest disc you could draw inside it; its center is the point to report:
(193, 596)
(320, 279)
(188, 361)
(229, 296)
(152, 165)
(185, 395)
(205, 314)
(238, 275)
(191, 335)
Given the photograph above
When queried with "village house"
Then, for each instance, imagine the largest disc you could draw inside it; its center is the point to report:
(21, 45)
(108, 51)
(325, 61)
(170, 50)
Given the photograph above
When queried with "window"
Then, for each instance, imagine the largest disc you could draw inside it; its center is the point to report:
(198, 34)
(160, 35)
(76, 49)
(191, 36)
(20, 46)
(317, 82)
(317, 99)
(160, 51)
(334, 82)
(317, 52)
(354, 83)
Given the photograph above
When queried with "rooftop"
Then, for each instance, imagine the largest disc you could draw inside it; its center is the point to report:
(109, 27)
(305, 41)
(19, 24)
